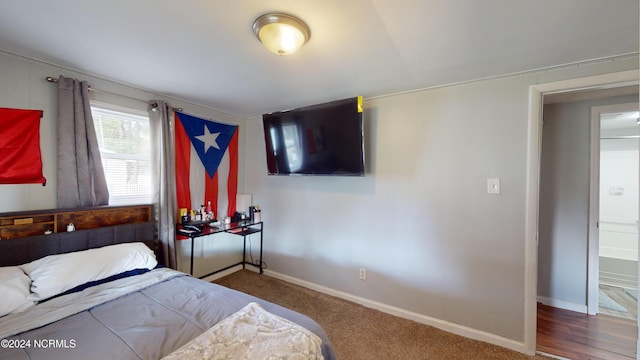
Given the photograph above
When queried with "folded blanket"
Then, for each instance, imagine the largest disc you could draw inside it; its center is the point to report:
(252, 333)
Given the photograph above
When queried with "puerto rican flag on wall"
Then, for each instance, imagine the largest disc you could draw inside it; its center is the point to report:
(206, 164)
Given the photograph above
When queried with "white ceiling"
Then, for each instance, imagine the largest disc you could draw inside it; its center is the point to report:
(204, 51)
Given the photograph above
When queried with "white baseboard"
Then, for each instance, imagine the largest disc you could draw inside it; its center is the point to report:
(619, 280)
(427, 320)
(552, 356)
(581, 308)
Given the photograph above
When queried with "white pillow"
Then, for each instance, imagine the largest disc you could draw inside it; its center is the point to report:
(14, 287)
(56, 274)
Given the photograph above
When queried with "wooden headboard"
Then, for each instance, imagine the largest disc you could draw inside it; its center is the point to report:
(24, 240)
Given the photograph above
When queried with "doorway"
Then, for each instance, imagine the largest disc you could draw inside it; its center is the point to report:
(569, 195)
(613, 229)
(537, 92)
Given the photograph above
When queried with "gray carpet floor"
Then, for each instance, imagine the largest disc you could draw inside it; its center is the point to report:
(357, 332)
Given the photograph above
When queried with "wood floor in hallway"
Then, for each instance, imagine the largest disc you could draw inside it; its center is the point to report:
(575, 335)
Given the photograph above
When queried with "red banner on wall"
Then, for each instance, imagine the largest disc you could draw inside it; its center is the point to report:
(20, 158)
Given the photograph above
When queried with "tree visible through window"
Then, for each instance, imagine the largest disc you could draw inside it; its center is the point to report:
(125, 147)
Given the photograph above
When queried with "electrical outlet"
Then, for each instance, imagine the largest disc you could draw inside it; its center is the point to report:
(363, 274)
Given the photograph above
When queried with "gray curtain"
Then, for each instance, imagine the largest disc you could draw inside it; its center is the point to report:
(164, 196)
(80, 175)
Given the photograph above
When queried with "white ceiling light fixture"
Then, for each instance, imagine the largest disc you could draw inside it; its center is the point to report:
(282, 34)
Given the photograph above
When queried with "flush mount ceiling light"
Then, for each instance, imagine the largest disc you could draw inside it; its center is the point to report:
(281, 33)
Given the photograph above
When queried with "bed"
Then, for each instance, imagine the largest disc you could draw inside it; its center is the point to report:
(95, 294)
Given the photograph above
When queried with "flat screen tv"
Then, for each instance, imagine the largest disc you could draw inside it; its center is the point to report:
(324, 139)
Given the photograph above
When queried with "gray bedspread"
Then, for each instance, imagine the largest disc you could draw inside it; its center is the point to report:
(145, 324)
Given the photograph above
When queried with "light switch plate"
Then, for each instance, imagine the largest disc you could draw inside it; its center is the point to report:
(493, 186)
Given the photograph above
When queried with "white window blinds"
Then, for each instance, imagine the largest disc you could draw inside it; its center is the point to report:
(125, 147)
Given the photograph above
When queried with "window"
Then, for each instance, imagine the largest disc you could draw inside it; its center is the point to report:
(125, 147)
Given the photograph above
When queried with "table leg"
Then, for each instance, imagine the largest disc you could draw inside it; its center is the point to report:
(191, 271)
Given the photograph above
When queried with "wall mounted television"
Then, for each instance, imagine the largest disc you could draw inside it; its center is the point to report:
(323, 139)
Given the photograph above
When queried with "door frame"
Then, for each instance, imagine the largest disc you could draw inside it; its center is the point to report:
(534, 141)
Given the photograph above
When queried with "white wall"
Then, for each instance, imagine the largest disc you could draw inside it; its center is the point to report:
(434, 243)
(618, 223)
(619, 198)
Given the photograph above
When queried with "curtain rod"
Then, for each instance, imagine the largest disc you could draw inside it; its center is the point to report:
(54, 80)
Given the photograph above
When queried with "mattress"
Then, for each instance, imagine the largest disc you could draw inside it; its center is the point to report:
(146, 316)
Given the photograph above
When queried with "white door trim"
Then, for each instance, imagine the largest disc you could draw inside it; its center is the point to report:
(533, 175)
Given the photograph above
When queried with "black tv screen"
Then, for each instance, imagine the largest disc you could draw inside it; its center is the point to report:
(324, 139)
